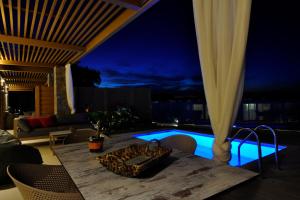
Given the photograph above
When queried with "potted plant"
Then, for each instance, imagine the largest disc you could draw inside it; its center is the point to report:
(96, 141)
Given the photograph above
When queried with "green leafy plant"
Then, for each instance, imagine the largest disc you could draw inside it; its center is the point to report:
(107, 121)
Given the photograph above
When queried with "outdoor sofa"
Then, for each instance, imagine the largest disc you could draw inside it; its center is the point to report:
(39, 127)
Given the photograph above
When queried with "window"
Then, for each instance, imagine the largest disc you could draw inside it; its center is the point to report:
(198, 107)
(249, 111)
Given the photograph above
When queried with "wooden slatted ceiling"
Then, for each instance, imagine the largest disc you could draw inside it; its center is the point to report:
(23, 79)
(45, 33)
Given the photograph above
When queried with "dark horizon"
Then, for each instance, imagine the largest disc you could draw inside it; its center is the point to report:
(159, 50)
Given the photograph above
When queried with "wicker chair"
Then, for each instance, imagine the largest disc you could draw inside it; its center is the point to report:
(45, 182)
(181, 142)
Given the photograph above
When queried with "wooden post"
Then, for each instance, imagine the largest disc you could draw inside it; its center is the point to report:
(37, 101)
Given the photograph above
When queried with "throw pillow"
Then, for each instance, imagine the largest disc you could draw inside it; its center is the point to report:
(48, 121)
(34, 123)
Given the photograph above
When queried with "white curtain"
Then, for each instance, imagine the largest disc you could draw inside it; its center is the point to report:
(69, 88)
(222, 30)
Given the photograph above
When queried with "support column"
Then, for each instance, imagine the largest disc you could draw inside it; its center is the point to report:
(60, 96)
(3, 103)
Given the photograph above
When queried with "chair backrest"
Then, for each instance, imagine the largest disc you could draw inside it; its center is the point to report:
(43, 182)
(181, 142)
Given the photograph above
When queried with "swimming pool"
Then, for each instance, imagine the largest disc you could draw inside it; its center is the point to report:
(205, 142)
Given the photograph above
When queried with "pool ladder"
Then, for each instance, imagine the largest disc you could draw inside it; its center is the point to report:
(259, 152)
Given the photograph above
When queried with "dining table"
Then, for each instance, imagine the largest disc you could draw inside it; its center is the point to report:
(183, 176)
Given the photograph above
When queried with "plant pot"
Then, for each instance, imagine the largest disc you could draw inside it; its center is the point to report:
(96, 143)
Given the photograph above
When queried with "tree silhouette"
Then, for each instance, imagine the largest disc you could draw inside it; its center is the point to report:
(85, 77)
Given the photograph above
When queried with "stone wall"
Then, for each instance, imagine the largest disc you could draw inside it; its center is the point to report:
(60, 96)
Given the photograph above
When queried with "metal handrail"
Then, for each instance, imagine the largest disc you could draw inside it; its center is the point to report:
(244, 140)
(238, 132)
(274, 140)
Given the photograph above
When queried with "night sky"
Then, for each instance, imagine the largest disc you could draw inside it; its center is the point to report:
(159, 49)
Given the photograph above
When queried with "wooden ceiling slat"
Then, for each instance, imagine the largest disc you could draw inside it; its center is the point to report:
(1, 55)
(26, 17)
(46, 55)
(32, 54)
(37, 54)
(93, 21)
(59, 57)
(70, 20)
(23, 53)
(49, 55)
(41, 19)
(3, 16)
(58, 14)
(89, 34)
(14, 51)
(49, 18)
(28, 52)
(19, 17)
(74, 25)
(19, 28)
(33, 18)
(65, 15)
(4, 51)
(53, 56)
(67, 58)
(11, 18)
(86, 18)
(42, 54)
(8, 49)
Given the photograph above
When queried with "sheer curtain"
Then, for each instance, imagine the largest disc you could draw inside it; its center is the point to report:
(69, 88)
(222, 30)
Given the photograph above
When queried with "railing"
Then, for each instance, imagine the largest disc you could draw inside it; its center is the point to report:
(274, 140)
(250, 133)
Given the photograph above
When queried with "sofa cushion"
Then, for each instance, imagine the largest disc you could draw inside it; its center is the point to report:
(33, 122)
(22, 123)
(48, 121)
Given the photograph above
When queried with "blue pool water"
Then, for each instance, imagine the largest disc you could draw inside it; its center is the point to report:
(205, 142)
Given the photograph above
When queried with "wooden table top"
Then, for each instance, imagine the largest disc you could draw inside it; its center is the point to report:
(185, 177)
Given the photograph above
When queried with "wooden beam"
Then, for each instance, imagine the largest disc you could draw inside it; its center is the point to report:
(129, 4)
(25, 69)
(22, 79)
(37, 100)
(31, 64)
(20, 88)
(121, 21)
(39, 43)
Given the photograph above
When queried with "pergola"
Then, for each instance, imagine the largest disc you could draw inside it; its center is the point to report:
(39, 35)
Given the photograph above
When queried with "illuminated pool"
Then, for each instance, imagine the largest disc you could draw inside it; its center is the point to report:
(205, 142)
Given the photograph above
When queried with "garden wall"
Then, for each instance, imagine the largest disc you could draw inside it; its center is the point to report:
(108, 99)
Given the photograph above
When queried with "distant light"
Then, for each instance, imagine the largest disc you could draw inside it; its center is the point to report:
(176, 120)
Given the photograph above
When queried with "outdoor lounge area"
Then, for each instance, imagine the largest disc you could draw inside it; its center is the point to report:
(63, 136)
